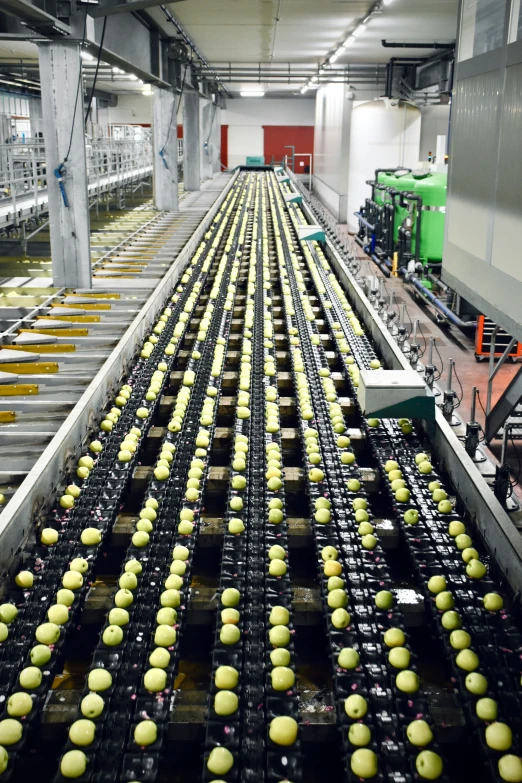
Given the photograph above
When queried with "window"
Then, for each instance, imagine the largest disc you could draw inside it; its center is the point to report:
(482, 27)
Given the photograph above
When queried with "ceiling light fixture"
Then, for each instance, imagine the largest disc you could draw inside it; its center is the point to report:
(314, 79)
(132, 77)
(333, 58)
(387, 2)
(304, 89)
(87, 56)
(349, 41)
(251, 94)
(359, 30)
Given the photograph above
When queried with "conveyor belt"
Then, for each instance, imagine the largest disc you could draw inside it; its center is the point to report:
(244, 593)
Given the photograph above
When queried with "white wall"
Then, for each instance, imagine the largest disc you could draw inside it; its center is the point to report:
(434, 122)
(269, 111)
(331, 147)
(131, 109)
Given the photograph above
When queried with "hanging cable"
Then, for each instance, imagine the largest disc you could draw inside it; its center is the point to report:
(439, 376)
(459, 399)
(91, 96)
(174, 115)
(78, 88)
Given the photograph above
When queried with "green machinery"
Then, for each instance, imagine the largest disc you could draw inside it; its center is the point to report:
(405, 215)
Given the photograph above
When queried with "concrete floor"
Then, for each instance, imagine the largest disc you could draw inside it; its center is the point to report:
(453, 343)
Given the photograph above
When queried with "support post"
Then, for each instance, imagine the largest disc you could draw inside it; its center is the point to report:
(165, 131)
(62, 114)
(191, 141)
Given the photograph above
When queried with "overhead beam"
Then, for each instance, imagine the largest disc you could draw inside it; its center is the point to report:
(33, 17)
(109, 8)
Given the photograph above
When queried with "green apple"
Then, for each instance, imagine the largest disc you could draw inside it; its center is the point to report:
(133, 567)
(40, 655)
(277, 567)
(476, 683)
(30, 678)
(359, 503)
(436, 584)
(4, 631)
(225, 702)
(155, 680)
(355, 706)
(230, 616)
(467, 660)
(49, 536)
(220, 761)
(92, 705)
(47, 633)
(279, 615)
(73, 764)
(280, 657)
(394, 637)
(373, 422)
(433, 485)
(363, 763)
(159, 658)
(486, 709)
(444, 507)
(19, 704)
(337, 598)
(91, 536)
(145, 733)
(283, 730)
(348, 658)
(399, 657)
(279, 636)
(411, 516)
(329, 553)
(444, 601)
(72, 580)
(384, 599)
(475, 569)
(99, 680)
(340, 618)
(463, 541)
(10, 731)
(236, 526)
(165, 636)
(123, 599)
(361, 515)
(369, 541)
(510, 768)
(451, 620)
(112, 636)
(353, 485)
(460, 640)
(499, 736)
(425, 467)
(359, 735)
(493, 602)
(82, 732)
(180, 553)
(402, 495)
(439, 494)
(419, 733)
(365, 529)
(421, 457)
(8, 613)
(230, 597)
(4, 760)
(390, 465)
(230, 634)
(58, 613)
(283, 678)
(429, 765)
(25, 580)
(226, 677)
(397, 484)
(456, 528)
(470, 553)
(407, 681)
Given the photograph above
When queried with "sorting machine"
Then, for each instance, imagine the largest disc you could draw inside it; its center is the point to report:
(235, 566)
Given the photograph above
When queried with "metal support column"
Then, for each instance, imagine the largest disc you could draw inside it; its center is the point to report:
(191, 141)
(165, 132)
(61, 83)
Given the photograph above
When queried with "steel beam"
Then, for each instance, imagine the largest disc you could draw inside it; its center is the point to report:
(63, 130)
(33, 17)
(165, 136)
(109, 8)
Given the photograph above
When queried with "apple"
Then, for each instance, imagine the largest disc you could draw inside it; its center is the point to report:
(180, 553)
(470, 553)
(337, 598)
(92, 705)
(499, 736)
(329, 553)
(283, 730)
(4, 760)
(390, 465)
(399, 657)
(332, 568)
(225, 703)
(359, 503)
(433, 485)
(384, 599)
(444, 507)
(73, 764)
(72, 580)
(476, 683)
(510, 768)
(82, 731)
(66, 501)
(429, 765)
(411, 516)
(10, 731)
(475, 569)
(165, 636)
(493, 602)
(373, 422)
(463, 541)
(277, 567)
(47, 633)
(25, 580)
(460, 640)
(230, 616)
(437, 584)
(365, 529)
(283, 678)
(363, 763)
(279, 615)
(19, 704)
(467, 660)
(439, 494)
(49, 536)
(369, 541)
(425, 467)
(58, 613)
(155, 680)
(407, 681)
(30, 678)
(348, 658)
(359, 734)
(112, 636)
(419, 733)
(280, 657)
(40, 655)
(99, 680)
(230, 597)
(355, 706)
(230, 634)
(486, 709)
(220, 761)
(91, 536)
(8, 613)
(394, 637)
(145, 733)
(451, 620)
(421, 457)
(456, 528)
(402, 495)
(340, 618)
(444, 601)
(4, 632)
(279, 636)
(133, 567)
(353, 485)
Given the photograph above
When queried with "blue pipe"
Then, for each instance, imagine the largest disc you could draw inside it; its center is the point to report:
(450, 315)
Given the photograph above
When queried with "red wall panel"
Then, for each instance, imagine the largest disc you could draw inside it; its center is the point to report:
(180, 131)
(276, 136)
(224, 146)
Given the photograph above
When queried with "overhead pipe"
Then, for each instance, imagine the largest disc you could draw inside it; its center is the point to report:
(394, 45)
(390, 67)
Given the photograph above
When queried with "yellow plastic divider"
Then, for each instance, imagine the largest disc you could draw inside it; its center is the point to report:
(7, 417)
(18, 389)
(57, 332)
(46, 348)
(30, 368)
